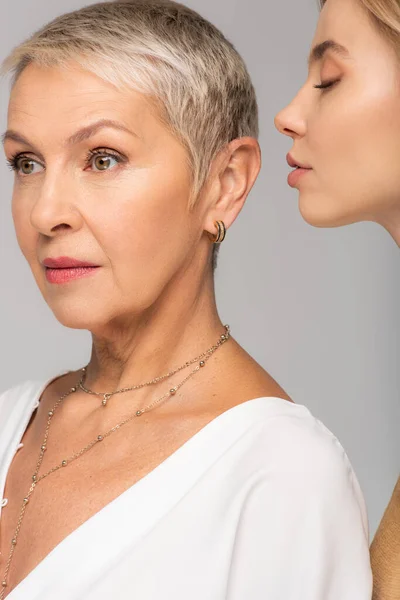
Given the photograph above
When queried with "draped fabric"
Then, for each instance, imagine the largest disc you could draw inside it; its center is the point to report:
(261, 504)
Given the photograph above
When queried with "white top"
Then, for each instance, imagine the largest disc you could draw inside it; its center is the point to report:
(261, 504)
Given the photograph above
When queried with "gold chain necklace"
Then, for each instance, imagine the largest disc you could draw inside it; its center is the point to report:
(36, 478)
(139, 386)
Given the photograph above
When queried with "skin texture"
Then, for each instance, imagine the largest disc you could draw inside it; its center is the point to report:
(349, 134)
(150, 306)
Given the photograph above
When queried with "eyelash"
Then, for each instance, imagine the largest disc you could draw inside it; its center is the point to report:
(13, 161)
(326, 85)
(104, 152)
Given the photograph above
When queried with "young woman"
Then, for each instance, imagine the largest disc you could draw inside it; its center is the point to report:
(345, 126)
(173, 465)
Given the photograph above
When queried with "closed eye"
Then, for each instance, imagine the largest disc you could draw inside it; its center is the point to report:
(324, 85)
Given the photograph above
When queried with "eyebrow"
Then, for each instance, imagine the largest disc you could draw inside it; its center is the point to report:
(90, 130)
(76, 138)
(319, 51)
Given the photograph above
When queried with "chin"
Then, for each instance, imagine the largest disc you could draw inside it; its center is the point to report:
(320, 211)
(72, 321)
(76, 315)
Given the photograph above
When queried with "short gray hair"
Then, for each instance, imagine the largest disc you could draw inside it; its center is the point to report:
(166, 51)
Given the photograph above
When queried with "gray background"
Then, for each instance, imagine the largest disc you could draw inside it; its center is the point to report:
(319, 309)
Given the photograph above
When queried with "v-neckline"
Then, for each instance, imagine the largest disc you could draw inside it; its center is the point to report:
(70, 564)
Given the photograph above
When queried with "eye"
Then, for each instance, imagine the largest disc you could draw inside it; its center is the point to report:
(24, 165)
(102, 160)
(324, 85)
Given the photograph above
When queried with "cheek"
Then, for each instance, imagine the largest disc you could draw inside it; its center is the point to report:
(356, 144)
(144, 227)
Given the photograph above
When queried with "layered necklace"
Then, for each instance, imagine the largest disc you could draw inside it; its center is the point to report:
(37, 478)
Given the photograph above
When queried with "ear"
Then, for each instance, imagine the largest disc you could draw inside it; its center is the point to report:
(232, 175)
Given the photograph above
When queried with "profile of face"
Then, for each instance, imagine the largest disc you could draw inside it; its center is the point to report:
(345, 123)
(100, 179)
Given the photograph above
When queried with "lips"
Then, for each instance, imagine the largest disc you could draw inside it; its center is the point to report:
(64, 262)
(292, 162)
(300, 169)
(64, 269)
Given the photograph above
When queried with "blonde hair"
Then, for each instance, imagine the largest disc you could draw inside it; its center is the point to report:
(385, 15)
(166, 51)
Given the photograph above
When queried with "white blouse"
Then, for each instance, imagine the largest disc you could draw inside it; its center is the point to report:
(261, 504)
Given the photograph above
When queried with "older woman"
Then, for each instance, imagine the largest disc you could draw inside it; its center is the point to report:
(345, 125)
(172, 465)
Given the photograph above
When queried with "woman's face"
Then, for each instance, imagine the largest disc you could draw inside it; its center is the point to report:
(101, 180)
(347, 134)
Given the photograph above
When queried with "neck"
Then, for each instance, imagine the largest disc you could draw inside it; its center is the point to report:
(182, 324)
(391, 223)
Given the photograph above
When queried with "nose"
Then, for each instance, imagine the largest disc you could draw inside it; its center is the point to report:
(54, 212)
(291, 120)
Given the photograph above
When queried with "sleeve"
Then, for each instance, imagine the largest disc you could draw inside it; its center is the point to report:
(303, 531)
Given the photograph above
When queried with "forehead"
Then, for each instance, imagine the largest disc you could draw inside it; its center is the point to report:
(59, 99)
(347, 22)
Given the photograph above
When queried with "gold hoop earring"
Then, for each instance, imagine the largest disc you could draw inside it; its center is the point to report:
(221, 232)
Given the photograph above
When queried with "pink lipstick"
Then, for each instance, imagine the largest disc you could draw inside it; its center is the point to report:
(64, 269)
